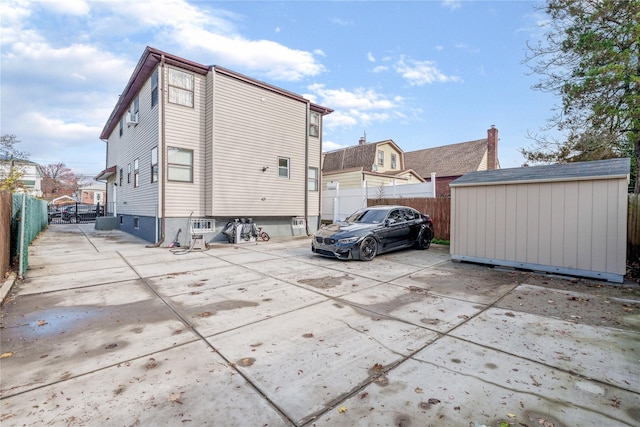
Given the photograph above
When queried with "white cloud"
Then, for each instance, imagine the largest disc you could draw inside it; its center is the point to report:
(330, 145)
(342, 22)
(370, 57)
(380, 69)
(452, 4)
(70, 7)
(420, 73)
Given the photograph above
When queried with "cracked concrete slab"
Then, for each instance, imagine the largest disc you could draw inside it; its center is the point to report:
(270, 334)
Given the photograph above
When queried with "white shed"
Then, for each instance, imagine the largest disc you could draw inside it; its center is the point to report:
(565, 218)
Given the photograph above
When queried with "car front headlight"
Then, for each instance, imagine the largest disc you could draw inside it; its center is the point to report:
(348, 240)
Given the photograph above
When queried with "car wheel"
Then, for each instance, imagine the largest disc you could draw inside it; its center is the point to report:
(368, 248)
(424, 239)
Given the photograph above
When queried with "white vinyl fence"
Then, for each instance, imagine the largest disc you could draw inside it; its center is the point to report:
(337, 204)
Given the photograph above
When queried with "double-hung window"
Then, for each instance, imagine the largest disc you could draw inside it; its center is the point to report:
(136, 173)
(283, 167)
(180, 164)
(314, 124)
(393, 161)
(180, 87)
(154, 164)
(121, 176)
(129, 173)
(154, 88)
(312, 179)
(380, 158)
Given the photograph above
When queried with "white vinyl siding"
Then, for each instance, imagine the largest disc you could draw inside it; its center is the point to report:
(185, 129)
(252, 128)
(135, 142)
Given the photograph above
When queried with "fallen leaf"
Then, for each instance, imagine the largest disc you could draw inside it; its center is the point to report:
(510, 314)
(378, 367)
(418, 390)
(342, 409)
(7, 354)
(433, 401)
(308, 335)
(42, 322)
(511, 415)
(175, 397)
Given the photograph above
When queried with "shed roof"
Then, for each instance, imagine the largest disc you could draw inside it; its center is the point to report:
(598, 169)
(447, 160)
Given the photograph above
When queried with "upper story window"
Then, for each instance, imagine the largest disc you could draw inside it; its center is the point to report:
(136, 173)
(380, 158)
(180, 164)
(154, 88)
(283, 167)
(393, 161)
(121, 126)
(129, 173)
(180, 87)
(121, 176)
(314, 124)
(154, 164)
(312, 179)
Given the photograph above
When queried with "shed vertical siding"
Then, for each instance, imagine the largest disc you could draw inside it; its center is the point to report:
(566, 226)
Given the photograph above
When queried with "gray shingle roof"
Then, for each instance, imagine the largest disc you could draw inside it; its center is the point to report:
(448, 160)
(356, 156)
(565, 171)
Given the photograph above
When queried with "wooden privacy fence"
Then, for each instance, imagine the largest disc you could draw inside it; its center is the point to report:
(439, 208)
(5, 232)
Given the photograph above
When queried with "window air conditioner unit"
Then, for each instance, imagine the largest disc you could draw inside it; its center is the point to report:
(132, 118)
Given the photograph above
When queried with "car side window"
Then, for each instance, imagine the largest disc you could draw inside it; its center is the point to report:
(409, 214)
(395, 216)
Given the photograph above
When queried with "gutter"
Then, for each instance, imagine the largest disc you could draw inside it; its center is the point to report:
(161, 156)
(306, 170)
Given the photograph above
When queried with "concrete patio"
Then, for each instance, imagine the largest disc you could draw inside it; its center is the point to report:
(105, 331)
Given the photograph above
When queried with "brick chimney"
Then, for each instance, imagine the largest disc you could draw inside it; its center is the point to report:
(492, 148)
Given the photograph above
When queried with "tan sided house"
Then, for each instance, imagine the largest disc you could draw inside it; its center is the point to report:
(450, 162)
(187, 140)
(371, 164)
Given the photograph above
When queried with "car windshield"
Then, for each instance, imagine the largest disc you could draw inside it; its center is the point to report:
(368, 216)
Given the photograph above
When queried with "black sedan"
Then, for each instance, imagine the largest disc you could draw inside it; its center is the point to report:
(374, 230)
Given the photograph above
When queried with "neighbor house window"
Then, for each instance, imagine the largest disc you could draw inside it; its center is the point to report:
(180, 164)
(121, 126)
(136, 106)
(121, 176)
(154, 88)
(283, 167)
(312, 180)
(393, 161)
(136, 173)
(314, 124)
(154, 164)
(136, 222)
(129, 173)
(180, 87)
(380, 158)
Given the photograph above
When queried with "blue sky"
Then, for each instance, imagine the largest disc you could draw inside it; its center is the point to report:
(422, 73)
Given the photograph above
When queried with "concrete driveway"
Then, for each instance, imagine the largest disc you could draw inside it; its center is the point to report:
(104, 331)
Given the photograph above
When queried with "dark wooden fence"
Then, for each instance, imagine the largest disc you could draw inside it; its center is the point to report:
(5, 232)
(438, 208)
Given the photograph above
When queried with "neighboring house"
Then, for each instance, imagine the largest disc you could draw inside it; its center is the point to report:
(31, 178)
(450, 162)
(187, 140)
(368, 164)
(93, 193)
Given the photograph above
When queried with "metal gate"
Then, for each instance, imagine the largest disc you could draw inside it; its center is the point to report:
(74, 213)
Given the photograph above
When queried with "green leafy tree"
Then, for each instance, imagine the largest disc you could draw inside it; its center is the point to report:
(10, 173)
(590, 58)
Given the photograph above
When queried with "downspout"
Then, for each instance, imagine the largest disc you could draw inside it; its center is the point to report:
(306, 170)
(161, 156)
